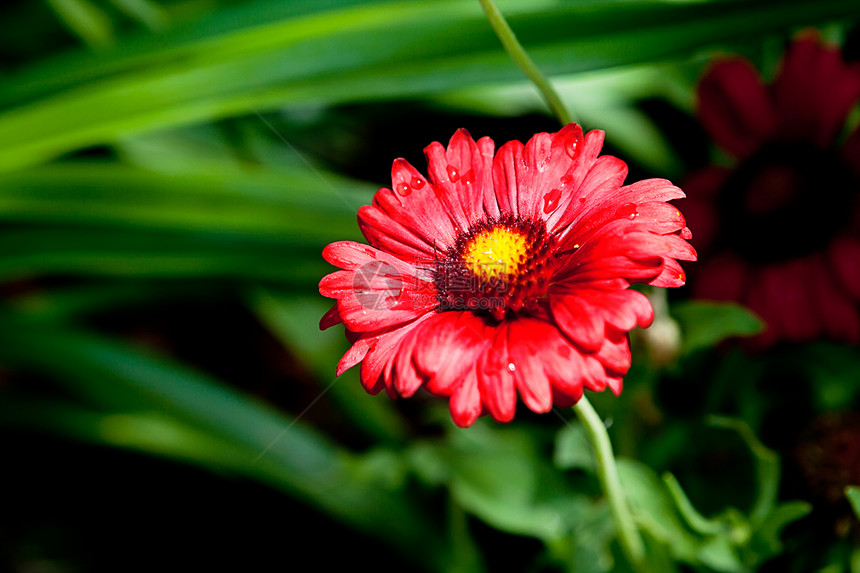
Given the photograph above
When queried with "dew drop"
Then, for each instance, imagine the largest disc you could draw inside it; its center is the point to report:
(565, 180)
(550, 201)
(627, 211)
(512, 367)
(468, 177)
(571, 147)
(417, 182)
(453, 174)
(403, 189)
(582, 199)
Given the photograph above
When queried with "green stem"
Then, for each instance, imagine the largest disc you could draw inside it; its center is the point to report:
(518, 54)
(607, 473)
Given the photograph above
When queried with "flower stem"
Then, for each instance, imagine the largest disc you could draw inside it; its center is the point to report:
(607, 473)
(518, 54)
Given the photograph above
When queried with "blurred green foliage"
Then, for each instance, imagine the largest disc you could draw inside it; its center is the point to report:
(161, 155)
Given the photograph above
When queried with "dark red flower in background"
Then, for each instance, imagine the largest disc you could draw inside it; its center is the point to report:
(780, 228)
(504, 274)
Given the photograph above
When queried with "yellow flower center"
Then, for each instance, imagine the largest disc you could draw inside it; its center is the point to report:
(495, 253)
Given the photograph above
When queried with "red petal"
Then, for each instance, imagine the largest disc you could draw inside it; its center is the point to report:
(355, 354)
(592, 203)
(447, 345)
(462, 177)
(844, 255)
(579, 320)
(507, 163)
(614, 355)
(838, 310)
(380, 357)
(814, 91)
(536, 355)
(465, 403)
(331, 318)
(389, 235)
(735, 108)
(379, 290)
(496, 378)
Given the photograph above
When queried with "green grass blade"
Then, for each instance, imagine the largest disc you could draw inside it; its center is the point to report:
(332, 56)
(123, 379)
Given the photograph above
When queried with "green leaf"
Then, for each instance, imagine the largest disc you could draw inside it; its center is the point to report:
(270, 203)
(704, 324)
(294, 320)
(573, 450)
(691, 515)
(86, 20)
(654, 509)
(765, 542)
(853, 494)
(832, 368)
(767, 468)
(125, 380)
(657, 509)
(500, 476)
(263, 55)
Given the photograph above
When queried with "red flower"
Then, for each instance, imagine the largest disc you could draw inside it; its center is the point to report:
(504, 274)
(781, 227)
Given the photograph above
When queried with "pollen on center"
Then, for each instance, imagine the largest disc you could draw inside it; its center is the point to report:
(495, 253)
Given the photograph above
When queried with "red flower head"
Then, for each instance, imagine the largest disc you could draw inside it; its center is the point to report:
(504, 274)
(782, 226)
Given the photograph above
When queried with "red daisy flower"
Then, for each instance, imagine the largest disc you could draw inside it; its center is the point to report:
(504, 274)
(781, 227)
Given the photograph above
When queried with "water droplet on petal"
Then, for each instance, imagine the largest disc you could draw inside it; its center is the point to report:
(627, 211)
(468, 177)
(582, 199)
(550, 201)
(417, 182)
(571, 147)
(453, 174)
(565, 180)
(512, 367)
(403, 189)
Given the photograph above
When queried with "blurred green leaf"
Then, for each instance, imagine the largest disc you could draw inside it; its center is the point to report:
(465, 555)
(654, 509)
(765, 542)
(833, 369)
(499, 476)
(73, 302)
(572, 449)
(697, 522)
(266, 54)
(110, 252)
(126, 380)
(603, 100)
(853, 495)
(86, 20)
(294, 204)
(294, 320)
(704, 324)
(767, 468)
